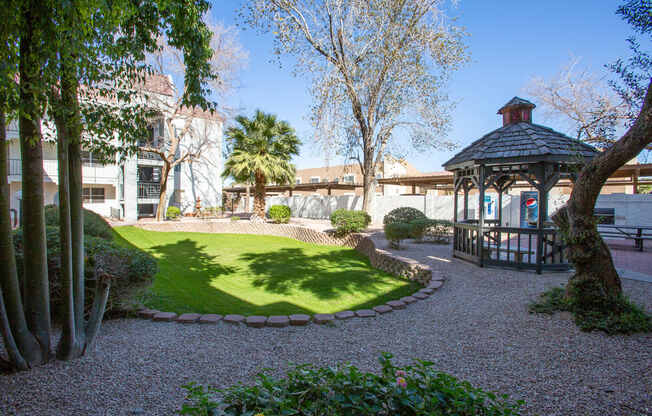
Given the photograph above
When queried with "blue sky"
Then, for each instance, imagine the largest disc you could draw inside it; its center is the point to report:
(509, 43)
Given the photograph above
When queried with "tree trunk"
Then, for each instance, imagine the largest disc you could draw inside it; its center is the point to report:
(248, 198)
(160, 209)
(595, 275)
(67, 340)
(21, 345)
(368, 188)
(37, 296)
(259, 195)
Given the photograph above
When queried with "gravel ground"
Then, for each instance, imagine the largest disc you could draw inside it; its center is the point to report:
(475, 327)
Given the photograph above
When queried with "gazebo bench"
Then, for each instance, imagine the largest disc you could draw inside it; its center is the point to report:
(520, 254)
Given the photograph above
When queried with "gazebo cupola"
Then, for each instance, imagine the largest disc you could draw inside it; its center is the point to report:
(519, 151)
(517, 110)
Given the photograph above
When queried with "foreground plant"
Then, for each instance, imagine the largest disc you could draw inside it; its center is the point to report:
(344, 390)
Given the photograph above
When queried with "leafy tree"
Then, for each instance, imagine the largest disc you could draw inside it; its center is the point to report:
(595, 280)
(378, 69)
(262, 148)
(56, 53)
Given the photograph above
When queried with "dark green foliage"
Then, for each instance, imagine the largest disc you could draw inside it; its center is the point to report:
(404, 214)
(344, 390)
(94, 224)
(172, 213)
(435, 230)
(139, 269)
(397, 231)
(280, 213)
(593, 309)
(348, 221)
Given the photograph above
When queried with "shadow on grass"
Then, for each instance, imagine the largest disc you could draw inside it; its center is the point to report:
(190, 275)
(326, 275)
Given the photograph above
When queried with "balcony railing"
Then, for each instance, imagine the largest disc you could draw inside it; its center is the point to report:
(50, 168)
(14, 167)
(142, 154)
(149, 190)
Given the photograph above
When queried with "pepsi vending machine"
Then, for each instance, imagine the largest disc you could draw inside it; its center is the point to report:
(529, 209)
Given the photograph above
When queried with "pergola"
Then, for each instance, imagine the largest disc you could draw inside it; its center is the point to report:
(518, 151)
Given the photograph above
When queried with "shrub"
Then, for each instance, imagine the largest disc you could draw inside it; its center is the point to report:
(594, 311)
(280, 213)
(404, 214)
(346, 391)
(347, 221)
(94, 224)
(172, 213)
(134, 269)
(395, 232)
(235, 218)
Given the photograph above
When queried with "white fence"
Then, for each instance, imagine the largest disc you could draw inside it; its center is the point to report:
(629, 209)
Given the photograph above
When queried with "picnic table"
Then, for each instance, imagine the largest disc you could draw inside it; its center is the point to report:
(638, 233)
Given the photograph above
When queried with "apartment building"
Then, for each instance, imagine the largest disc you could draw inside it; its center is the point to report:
(129, 188)
(391, 167)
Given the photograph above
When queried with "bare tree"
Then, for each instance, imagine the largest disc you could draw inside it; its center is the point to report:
(584, 101)
(378, 68)
(187, 131)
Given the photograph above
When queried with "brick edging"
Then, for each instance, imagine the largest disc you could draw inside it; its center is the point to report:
(381, 259)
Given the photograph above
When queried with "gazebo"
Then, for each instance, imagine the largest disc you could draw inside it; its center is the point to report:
(517, 151)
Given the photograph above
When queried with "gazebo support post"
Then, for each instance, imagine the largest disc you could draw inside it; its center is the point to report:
(540, 175)
(481, 186)
(466, 200)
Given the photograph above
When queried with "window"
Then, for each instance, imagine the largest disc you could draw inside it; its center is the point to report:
(93, 195)
(314, 179)
(348, 179)
(379, 176)
(89, 159)
(149, 174)
(298, 181)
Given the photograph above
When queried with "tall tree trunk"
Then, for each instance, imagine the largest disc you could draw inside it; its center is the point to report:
(595, 274)
(71, 222)
(67, 340)
(37, 296)
(160, 209)
(77, 224)
(21, 345)
(368, 188)
(259, 195)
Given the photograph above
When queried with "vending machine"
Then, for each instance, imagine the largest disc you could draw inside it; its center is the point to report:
(529, 209)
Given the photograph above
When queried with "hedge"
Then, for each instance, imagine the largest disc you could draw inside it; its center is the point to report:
(347, 221)
(280, 213)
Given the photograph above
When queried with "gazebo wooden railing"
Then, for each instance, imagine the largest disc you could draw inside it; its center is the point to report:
(511, 247)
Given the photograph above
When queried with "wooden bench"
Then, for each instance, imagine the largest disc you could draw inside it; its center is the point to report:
(520, 254)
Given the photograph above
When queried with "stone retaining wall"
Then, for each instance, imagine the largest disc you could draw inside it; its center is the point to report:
(383, 260)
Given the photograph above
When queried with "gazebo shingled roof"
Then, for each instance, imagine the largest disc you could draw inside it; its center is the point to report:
(521, 142)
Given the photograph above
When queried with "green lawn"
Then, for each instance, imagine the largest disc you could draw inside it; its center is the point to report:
(258, 274)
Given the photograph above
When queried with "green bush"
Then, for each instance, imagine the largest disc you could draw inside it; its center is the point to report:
(172, 213)
(134, 269)
(235, 218)
(593, 310)
(94, 224)
(280, 213)
(395, 232)
(404, 214)
(346, 391)
(347, 221)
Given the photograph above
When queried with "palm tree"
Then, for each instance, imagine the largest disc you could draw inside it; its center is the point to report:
(262, 148)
